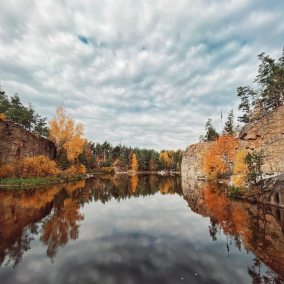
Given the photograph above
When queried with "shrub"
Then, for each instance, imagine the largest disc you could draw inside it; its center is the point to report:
(240, 170)
(39, 166)
(71, 171)
(6, 171)
(236, 191)
(80, 169)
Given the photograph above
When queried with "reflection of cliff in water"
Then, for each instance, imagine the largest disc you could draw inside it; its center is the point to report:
(54, 213)
(259, 229)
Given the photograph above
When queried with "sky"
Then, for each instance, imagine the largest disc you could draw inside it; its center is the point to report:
(142, 73)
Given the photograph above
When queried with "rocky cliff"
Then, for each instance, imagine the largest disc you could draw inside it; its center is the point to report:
(266, 133)
(16, 143)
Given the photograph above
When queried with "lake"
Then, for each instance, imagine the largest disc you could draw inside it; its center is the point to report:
(138, 229)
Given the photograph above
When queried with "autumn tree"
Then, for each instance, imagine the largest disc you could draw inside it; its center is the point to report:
(240, 169)
(220, 156)
(67, 134)
(165, 159)
(134, 164)
(134, 182)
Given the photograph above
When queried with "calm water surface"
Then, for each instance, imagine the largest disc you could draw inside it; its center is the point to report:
(146, 229)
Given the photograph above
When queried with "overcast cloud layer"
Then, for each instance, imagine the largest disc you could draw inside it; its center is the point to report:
(144, 73)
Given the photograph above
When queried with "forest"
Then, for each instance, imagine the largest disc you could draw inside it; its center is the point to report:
(75, 154)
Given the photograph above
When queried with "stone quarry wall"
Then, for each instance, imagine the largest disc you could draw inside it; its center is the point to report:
(266, 133)
(192, 160)
(16, 143)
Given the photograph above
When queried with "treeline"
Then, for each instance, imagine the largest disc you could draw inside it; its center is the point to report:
(74, 153)
(96, 155)
(255, 103)
(12, 109)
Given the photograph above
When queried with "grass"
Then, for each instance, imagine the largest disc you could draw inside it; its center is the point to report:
(37, 180)
(24, 181)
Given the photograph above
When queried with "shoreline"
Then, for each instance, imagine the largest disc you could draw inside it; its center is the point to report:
(47, 181)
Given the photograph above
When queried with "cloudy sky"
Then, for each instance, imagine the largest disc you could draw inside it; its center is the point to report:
(144, 73)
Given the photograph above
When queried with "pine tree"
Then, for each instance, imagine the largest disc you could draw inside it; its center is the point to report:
(229, 124)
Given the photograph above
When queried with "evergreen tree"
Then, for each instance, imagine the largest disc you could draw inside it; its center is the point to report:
(229, 124)
(211, 133)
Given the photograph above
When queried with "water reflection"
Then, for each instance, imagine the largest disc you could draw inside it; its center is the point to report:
(253, 228)
(54, 213)
(139, 230)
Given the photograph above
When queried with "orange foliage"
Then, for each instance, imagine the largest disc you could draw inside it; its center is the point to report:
(39, 166)
(231, 216)
(134, 164)
(65, 133)
(240, 169)
(116, 163)
(3, 116)
(220, 156)
(6, 171)
(134, 182)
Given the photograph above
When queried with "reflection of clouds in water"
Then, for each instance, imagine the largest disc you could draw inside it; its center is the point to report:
(142, 258)
(162, 214)
(142, 240)
(133, 238)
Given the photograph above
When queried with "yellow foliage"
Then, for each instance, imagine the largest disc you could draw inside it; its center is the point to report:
(166, 158)
(81, 169)
(240, 169)
(116, 162)
(165, 188)
(171, 152)
(39, 166)
(6, 171)
(3, 116)
(134, 164)
(221, 154)
(65, 133)
(134, 182)
(71, 171)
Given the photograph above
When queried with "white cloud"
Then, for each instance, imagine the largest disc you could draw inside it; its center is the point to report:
(144, 73)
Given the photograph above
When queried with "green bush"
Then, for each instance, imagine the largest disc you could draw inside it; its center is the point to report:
(236, 191)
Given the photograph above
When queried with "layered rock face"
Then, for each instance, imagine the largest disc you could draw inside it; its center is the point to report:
(266, 133)
(192, 161)
(16, 143)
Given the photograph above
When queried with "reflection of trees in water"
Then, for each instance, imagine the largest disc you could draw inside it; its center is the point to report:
(58, 228)
(123, 188)
(61, 226)
(59, 208)
(247, 226)
(257, 276)
(16, 250)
